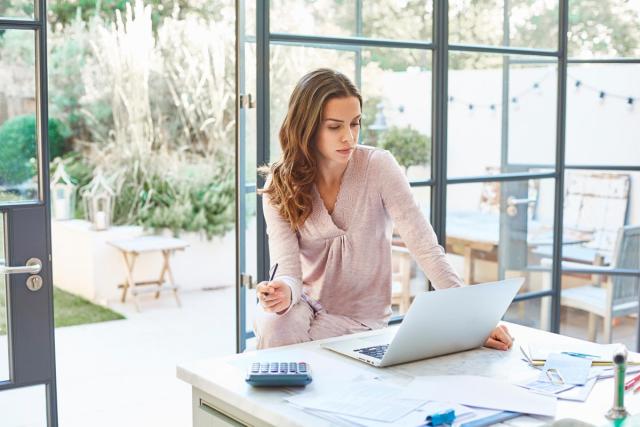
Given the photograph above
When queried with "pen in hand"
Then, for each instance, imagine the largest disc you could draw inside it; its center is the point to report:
(272, 276)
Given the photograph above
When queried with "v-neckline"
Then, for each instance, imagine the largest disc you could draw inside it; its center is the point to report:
(337, 206)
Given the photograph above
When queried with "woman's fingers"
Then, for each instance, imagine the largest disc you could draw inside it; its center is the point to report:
(273, 296)
(493, 343)
(499, 339)
(272, 303)
(262, 287)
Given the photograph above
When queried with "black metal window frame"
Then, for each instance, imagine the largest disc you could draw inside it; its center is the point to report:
(38, 25)
(439, 181)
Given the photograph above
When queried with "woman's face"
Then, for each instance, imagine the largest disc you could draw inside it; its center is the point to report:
(338, 132)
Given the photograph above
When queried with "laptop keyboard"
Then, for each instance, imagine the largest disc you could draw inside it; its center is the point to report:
(375, 351)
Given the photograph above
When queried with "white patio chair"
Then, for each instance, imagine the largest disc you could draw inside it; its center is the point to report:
(617, 295)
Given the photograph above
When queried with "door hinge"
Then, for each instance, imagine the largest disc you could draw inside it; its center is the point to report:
(246, 280)
(246, 101)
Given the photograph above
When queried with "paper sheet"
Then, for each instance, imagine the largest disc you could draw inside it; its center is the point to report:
(545, 386)
(414, 418)
(609, 372)
(579, 393)
(480, 392)
(371, 400)
(604, 352)
(574, 370)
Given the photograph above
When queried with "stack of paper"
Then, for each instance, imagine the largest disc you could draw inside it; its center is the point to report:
(597, 353)
(414, 418)
(577, 375)
(480, 392)
(370, 400)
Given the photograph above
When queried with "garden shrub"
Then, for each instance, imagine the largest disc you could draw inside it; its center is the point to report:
(18, 147)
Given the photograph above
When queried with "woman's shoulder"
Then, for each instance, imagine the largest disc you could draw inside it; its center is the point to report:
(372, 154)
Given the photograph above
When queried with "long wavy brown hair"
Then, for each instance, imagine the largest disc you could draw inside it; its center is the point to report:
(292, 176)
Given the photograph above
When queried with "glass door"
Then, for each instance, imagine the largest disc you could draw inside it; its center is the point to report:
(27, 365)
(246, 171)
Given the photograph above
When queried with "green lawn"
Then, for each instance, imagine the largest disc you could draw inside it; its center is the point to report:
(68, 310)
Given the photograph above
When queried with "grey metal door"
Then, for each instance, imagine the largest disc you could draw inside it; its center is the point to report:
(26, 289)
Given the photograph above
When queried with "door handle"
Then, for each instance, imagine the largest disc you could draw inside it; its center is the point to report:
(33, 266)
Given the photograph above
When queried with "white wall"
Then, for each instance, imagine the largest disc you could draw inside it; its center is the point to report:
(597, 132)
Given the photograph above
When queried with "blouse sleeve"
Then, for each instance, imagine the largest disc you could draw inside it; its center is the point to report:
(283, 249)
(411, 223)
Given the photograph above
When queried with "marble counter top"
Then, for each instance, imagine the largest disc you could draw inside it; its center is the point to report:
(223, 378)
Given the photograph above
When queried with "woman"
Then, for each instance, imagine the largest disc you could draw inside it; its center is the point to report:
(330, 205)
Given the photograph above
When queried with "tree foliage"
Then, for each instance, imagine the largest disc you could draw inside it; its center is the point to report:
(409, 147)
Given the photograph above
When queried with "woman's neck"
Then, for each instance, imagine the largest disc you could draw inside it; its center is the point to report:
(330, 175)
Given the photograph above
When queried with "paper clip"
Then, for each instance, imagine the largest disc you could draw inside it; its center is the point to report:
(528, 359)
(551, 372)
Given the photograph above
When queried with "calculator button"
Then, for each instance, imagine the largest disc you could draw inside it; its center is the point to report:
(302, 367)
(264, 368)
(274, 367)
(283, 368)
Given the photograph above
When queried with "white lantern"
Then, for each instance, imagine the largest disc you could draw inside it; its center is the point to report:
(98, 199)
(63, 194)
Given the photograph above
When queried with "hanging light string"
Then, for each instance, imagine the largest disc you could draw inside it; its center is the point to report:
(535, 87)
(471, 106)
(602, 94)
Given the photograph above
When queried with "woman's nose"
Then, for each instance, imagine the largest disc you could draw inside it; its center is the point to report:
(349, 136)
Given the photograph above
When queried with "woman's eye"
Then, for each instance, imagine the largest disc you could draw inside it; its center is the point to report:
(334, 127)
(355, 124)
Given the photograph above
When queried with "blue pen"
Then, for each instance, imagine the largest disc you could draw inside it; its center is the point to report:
(440, 418)
(583, 355)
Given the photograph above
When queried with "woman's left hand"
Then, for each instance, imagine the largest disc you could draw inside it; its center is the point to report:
(500, 339)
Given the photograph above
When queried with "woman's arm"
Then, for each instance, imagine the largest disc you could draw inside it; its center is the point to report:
(410, 222)
(283, 249)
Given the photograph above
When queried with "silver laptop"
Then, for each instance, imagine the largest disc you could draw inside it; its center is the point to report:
(440, 322)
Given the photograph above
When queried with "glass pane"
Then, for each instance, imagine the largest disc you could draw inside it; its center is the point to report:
(531, 24)
(250, 17)
(4, 336)
(585, 312)
(396, 90)
(16, 9)
(602, 111)
(18, 129)
(398, 19)
(288, 65)
(387, 19)
(607, 28)
(325, 17)
(250, 113)
(480, 85)
(534, 313)
(251, 253)
(408, 279)
(495, 230)
(249, 137)
(24, 407)
(600, 207)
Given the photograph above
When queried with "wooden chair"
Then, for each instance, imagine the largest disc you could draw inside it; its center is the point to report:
(617, 295)
(401, 278)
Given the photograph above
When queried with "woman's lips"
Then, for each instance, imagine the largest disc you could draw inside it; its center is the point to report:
(345, 152)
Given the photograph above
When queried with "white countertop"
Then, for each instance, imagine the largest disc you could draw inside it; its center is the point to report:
(223, 378)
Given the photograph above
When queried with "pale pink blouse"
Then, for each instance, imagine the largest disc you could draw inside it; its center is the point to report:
(343, 260)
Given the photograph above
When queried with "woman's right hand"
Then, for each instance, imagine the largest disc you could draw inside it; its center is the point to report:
(274, 296)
